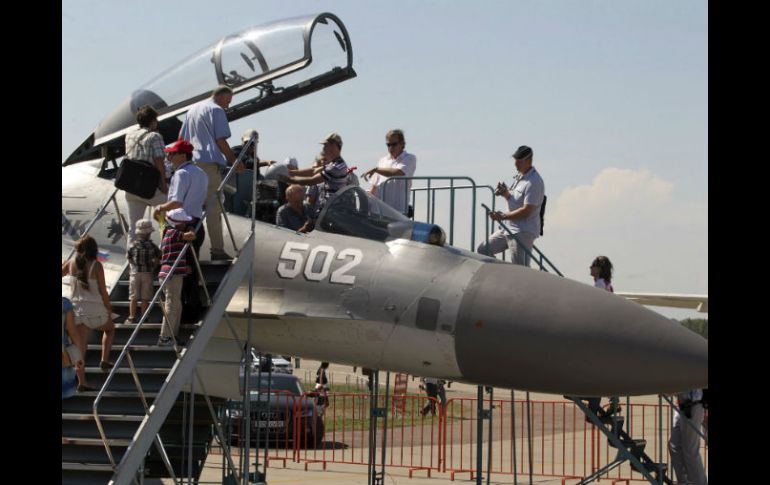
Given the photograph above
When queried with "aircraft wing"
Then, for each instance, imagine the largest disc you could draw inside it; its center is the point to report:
(699, 303)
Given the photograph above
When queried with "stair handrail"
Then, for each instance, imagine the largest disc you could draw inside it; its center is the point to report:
(684, 418)
(126, 348)
(614, 439)
(526, 250)
(125, 353)
(99, 214)
(184, 367)
(535, 254)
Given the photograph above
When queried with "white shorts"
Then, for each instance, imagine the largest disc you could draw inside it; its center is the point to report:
(92, 320)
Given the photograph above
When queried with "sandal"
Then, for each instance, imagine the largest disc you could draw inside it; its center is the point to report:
(106, 366)
(85, 388)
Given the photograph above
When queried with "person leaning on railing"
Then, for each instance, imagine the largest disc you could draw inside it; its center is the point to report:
(525, 197)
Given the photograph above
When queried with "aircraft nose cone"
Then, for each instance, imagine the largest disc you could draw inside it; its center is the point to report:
(525, 329)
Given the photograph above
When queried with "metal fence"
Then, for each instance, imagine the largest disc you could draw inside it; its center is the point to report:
(563, 444)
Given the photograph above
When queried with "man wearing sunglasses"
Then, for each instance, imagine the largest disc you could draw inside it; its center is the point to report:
(397, 163)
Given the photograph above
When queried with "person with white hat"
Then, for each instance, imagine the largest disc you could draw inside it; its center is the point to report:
(251, 156)
(143, 258)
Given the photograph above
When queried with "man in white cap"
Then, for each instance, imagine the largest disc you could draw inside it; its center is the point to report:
(334, 175)
(397, 163)
(177, 232)
(251, 156)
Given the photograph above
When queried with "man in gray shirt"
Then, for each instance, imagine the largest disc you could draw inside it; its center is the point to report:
(523, 217)
(295, 214)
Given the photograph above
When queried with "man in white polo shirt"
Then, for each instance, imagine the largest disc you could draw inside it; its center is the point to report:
(397, 163)
(523, 217)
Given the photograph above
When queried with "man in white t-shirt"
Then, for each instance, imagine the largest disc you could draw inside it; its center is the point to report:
(397, 163)
(523, 217)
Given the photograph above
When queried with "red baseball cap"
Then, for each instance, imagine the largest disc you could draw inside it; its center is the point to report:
(180, 146)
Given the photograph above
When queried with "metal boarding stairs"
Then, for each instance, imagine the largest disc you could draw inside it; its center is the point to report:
(141, 398)
(608, 422)
(108, 435)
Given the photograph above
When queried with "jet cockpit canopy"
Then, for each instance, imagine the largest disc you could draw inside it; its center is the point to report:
(355, 212)
(265, 66)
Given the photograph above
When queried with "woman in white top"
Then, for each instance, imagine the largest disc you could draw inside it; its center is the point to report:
(601, 270)
(91, 304)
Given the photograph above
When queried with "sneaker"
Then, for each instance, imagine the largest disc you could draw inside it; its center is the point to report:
(165, 342)
(220, 256)
(129, 320)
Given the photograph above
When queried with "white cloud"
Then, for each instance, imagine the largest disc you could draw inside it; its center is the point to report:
(656, 241)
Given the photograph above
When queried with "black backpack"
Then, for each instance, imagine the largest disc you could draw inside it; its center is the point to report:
(542, 214)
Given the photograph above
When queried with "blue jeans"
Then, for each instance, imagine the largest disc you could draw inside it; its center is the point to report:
(68, 382)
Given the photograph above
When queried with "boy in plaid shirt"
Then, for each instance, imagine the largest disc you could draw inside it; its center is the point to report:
(143, 257)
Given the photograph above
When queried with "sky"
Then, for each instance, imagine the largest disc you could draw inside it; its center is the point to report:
(611, 96)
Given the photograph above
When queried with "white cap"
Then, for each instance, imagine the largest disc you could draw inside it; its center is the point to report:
(247, 134)
(143, 226)
(277, 171)
(178, 216)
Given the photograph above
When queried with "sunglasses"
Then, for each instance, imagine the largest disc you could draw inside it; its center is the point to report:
(393, 144)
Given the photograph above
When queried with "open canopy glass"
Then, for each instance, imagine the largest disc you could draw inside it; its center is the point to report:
(265, 65)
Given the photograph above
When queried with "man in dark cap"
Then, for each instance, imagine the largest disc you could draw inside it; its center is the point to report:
(523, 217)
(334, 175)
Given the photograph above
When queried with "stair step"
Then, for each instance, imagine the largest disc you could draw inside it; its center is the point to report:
(633, 443)
(148, 395)
(140, 370)
(134, 347)
(103, 417)
(75, 440)
(84, 458)
(651, 466)
(155, 326)
(92, 467)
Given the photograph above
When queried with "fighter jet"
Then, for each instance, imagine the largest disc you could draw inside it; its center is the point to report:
(369, 287)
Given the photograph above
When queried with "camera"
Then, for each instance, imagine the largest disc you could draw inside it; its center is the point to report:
(501, 187)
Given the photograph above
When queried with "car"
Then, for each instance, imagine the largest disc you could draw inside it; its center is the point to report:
(289, 415)
(280, 365)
